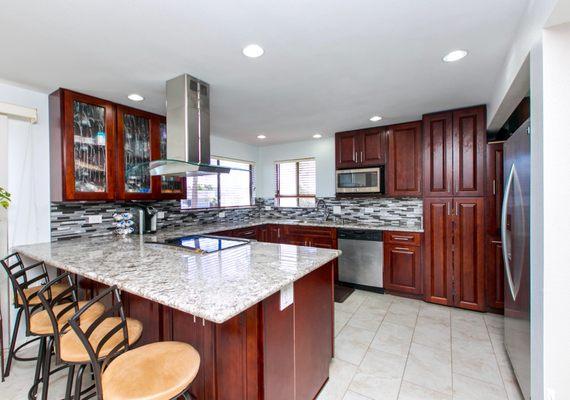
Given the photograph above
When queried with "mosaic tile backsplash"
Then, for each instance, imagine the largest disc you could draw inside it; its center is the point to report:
(70, 219)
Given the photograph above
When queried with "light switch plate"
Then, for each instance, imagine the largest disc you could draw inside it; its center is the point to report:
(95, 219)
(222, 214)
(286, 297)
(161, 215)
(337, 210)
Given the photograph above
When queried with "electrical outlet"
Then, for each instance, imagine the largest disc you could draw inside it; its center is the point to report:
(222, 214)
(161, 215)
(267, 208)
(95, 219)
(368, 210)
(337, 210)
(286, 297)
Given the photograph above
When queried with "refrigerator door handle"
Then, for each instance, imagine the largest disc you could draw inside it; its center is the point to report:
(504, 231)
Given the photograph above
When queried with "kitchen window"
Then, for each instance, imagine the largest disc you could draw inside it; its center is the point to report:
(295, 183)
(233, 189)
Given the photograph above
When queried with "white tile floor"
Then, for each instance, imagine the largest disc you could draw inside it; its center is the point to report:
(390, 348)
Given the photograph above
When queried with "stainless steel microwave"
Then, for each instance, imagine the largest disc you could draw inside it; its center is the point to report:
(361, 180)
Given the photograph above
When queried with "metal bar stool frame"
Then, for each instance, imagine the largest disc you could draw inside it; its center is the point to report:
(11, 267)
(98, 363)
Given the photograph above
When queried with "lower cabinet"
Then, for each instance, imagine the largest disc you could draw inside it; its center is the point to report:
(402, 262)
(495, 275)
(455, 252)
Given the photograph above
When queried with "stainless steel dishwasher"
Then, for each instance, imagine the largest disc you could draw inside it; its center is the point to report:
(362, 260)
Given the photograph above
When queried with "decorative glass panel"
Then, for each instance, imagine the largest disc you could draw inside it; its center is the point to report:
(169, 184)
(89, 147)
(137, 152)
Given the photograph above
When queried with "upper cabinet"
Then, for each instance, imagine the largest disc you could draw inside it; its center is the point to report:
(404, 159)
(101, 151)
(454, 153)
(82, 144)
(361, 148)
(167, 187)
(136, 132)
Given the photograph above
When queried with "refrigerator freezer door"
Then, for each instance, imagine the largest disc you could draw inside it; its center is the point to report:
(515, 232)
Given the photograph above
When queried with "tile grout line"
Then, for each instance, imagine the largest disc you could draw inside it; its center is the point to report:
(408, 354)
(368, 348)
(496, 359)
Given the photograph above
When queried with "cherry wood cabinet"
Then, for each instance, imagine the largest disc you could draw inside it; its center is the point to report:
(404, 159)
(361, 148)
(137, 145)
(438, 258)
(438, 154)
(469, 140)
(495, 275)
(100, 150)
(495, 181)
(402, 262)
(82, 147)
(469, 253)
(454, 153)
(167, 187)
(454, 272)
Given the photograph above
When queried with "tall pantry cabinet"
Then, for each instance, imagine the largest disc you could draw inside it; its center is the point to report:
(454, 145)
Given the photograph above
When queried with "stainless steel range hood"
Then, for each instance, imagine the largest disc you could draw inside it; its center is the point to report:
(187, 130)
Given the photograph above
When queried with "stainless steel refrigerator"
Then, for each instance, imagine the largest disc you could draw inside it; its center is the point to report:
(515, 235)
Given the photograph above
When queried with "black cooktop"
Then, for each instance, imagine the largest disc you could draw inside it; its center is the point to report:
(205, 243)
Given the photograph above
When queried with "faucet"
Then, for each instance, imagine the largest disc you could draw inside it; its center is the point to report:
(321, 204)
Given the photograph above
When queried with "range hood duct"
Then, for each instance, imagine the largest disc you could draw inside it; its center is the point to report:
(187, 130)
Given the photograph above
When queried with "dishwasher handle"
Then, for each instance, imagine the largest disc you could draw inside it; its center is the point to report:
(360, 234)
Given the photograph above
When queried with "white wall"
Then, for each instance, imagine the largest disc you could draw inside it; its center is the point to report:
(323, 152)
(228, 148)
(503, 102)
(555, 194)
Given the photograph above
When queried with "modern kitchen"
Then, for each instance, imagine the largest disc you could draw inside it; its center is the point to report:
(274, 211)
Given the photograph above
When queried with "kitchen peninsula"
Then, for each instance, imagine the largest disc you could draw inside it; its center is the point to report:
(227, 304)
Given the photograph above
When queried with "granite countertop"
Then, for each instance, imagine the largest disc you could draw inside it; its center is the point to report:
(215, 286)
(223, 226)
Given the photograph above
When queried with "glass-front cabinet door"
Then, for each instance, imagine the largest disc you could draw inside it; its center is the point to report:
(134, 153)
(168, 187)
(88, 144)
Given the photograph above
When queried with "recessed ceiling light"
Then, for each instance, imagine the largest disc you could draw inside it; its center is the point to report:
(135, 97)
(261, 136)
(317, 136)
(375, 118)
(455, 55)
(252, 51)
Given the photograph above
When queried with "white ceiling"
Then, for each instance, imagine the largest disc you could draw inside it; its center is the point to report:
(328, 65)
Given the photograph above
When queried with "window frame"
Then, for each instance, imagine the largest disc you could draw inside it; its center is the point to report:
(298, 196)
(218, 187)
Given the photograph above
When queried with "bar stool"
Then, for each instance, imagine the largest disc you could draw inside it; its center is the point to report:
(156, 371)
(30, 279)
(66, 346)
(38, 322)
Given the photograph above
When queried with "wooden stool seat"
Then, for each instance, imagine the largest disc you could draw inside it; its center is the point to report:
(156, 371)
(40, 323)
(35, 300)
(73, 351)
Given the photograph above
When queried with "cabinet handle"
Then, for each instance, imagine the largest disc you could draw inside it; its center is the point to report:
(361, 156)
(496, 242)
(402, 248)
(494, 187)
(402, 237)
